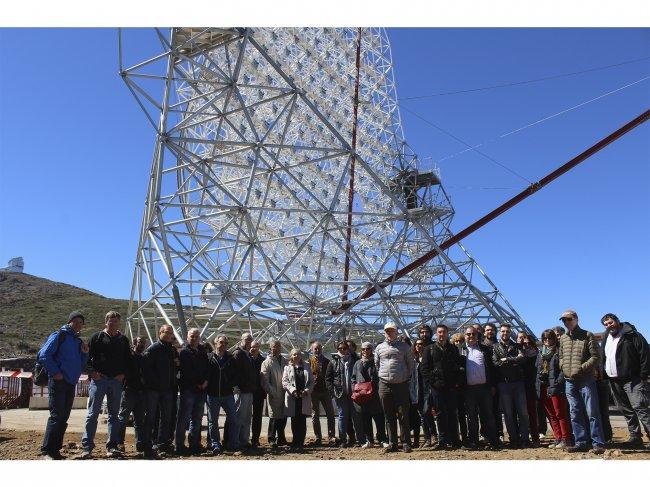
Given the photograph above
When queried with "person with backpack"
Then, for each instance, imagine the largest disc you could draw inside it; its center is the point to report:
(64, 355)
(108, 358)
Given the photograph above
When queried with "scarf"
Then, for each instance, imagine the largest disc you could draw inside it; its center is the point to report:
(547, 355)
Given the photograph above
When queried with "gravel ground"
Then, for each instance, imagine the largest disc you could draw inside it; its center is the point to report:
(24, 445)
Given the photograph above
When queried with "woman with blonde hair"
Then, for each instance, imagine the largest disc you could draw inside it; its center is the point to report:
(298, 383)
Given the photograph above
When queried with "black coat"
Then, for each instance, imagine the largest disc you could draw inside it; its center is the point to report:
(442, 366)
(632, 355)
(512, 369)
(194, 368)
(222, 379)
(334, 375)
(159, 367)
(245, 371)
(133, 377)
(257, 365)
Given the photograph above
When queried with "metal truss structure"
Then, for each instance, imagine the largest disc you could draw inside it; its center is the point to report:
(281, 187)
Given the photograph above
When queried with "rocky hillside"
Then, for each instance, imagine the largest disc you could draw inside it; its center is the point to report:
(32, 307)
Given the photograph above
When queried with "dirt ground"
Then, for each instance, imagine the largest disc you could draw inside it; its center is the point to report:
(24, 445)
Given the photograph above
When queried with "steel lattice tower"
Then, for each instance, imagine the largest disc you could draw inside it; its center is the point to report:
(245, 227)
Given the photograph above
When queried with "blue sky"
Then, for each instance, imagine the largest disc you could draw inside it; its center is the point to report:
(75, 154)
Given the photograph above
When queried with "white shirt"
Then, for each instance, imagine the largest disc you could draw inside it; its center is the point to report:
(475, 366)
(610, 354)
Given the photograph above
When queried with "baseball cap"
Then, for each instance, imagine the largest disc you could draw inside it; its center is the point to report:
(569, 313)
(389, 325)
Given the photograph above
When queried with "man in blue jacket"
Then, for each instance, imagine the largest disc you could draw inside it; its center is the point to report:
(64, 356)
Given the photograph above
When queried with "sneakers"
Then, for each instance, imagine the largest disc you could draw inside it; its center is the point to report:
(86, 455)
(554, 444)
(385, 444)
(561, 445)
(390, 448)
(366, 445)
(52, 456)
(114, 453)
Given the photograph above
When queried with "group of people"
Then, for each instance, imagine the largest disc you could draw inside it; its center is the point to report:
(455, 392)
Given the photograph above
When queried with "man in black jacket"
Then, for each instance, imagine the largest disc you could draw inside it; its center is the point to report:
(222, 377)
(133, 398)
(258, 394)
(444, 376)
(192, 383)
(508, 360)
(627, 365)
(107, 363)
(159, 373)
(244, 390)
(320, 396)
(480, 389)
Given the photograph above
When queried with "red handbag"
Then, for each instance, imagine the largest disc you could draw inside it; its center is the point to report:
(362, 392)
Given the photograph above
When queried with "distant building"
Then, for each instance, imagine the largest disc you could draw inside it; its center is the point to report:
(17, 264)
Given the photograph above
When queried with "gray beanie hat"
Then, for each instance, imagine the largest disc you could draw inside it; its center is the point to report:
(76, 314)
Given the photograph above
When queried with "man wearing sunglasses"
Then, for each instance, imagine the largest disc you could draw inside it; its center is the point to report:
(578, 361)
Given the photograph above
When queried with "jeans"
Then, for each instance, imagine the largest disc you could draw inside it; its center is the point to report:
(133, 401)
(512, 398)
(557, 410)
(158, 402)
(325, 399)
(633, 400)
(244, 410)
(60, 405)
(190, 415)
(447, 418)
(215, 404)
(478, 404)
(346, 415)
(393, 398)
(110, 388)
(583, 398)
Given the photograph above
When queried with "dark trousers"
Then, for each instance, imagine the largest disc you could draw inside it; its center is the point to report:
(60, 404)
(380, 425)
(276, 431)
(478, 404)
(633, 400)
(298, 425)
(133, 401)
(447, 418)
(395, 398)
(531, 407)
(415, 424)
(159, 406)
(462, 415)
(498, 415)
(322, 398)
(256, 422)
(426, 419)
(603, 387)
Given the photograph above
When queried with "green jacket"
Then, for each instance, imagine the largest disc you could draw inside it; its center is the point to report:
(579, 356)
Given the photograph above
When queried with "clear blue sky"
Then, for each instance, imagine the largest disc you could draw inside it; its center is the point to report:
(75, 154)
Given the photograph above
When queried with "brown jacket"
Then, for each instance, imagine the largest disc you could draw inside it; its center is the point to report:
(579, 357)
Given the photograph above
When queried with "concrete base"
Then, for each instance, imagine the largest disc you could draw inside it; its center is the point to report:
(36, 403)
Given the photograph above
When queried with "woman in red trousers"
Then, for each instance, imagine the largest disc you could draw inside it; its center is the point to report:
(552, 391)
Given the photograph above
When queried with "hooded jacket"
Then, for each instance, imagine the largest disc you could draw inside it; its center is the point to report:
(69, 359)
(632, 355)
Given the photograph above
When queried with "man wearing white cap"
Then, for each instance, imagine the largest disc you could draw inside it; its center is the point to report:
(394, 362)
